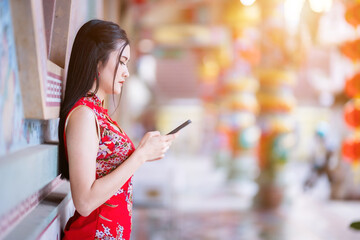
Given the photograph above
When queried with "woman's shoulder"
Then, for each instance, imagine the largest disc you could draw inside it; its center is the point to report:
(81, 113)
(86, 108)
(84, 111)
(81, 117)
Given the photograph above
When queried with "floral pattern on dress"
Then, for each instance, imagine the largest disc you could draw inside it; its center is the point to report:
(106, 234)
(114, 147)
(120, 191)
(129, 198)
(114, 216)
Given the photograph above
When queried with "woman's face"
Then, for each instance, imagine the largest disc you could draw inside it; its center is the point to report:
(106, 73)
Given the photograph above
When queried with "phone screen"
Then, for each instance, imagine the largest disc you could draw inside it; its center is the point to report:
(180, 127)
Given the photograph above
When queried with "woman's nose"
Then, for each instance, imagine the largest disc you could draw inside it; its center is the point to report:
(126, 73)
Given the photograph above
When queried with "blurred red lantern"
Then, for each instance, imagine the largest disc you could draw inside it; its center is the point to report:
(352, 113)
(351, 149)
(351, 49)
(352, 14)
(352, 86)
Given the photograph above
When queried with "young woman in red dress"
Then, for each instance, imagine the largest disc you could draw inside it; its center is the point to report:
(95, 154)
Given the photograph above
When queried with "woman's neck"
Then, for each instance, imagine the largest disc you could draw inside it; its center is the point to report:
(100, 94)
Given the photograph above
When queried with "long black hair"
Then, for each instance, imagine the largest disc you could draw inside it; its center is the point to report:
(93, 43)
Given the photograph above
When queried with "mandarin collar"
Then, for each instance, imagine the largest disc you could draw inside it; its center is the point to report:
(97, 100)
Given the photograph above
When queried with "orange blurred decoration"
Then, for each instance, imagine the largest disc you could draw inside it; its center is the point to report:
(352, 113)
(352, 14)
(352, 86)
(351, 49)
(276, 102)
(252, 55)
(351, 150)
(263, 150)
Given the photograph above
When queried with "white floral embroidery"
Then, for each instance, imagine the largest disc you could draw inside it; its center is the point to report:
(106, 230)
(99, 234)
(129, 198)
(119, 232)
(120, 191)
(106, 235)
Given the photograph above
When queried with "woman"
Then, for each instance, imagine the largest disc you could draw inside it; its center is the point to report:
(94, 153)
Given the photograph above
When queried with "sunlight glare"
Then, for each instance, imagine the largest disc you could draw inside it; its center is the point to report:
(247, 2)
(292, 11)
(320, 5)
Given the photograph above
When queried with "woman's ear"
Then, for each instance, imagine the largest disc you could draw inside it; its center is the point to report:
(99, 67)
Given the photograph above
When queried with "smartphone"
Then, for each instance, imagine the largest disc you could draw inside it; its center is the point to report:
(180, 127)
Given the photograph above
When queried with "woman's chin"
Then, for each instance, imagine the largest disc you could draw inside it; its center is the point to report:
(117, 91)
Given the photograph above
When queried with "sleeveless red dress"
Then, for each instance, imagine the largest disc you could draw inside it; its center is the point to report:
(112, 220)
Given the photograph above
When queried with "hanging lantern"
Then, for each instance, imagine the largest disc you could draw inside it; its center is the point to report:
(352, 113)
(351, 149)
(351, 49)
(352, 86)
(352, 14)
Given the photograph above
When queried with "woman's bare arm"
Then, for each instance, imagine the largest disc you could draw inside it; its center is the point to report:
(88, 193)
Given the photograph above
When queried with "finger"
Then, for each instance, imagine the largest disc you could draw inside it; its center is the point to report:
(165, 149)
(170, 137)
(154, 133)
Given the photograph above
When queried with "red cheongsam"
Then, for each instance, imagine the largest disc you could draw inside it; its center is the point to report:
(112, 220)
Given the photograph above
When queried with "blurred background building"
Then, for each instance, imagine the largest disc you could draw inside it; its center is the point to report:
(272, 88)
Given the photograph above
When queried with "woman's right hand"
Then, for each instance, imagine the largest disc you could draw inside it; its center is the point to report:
(153, 146)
